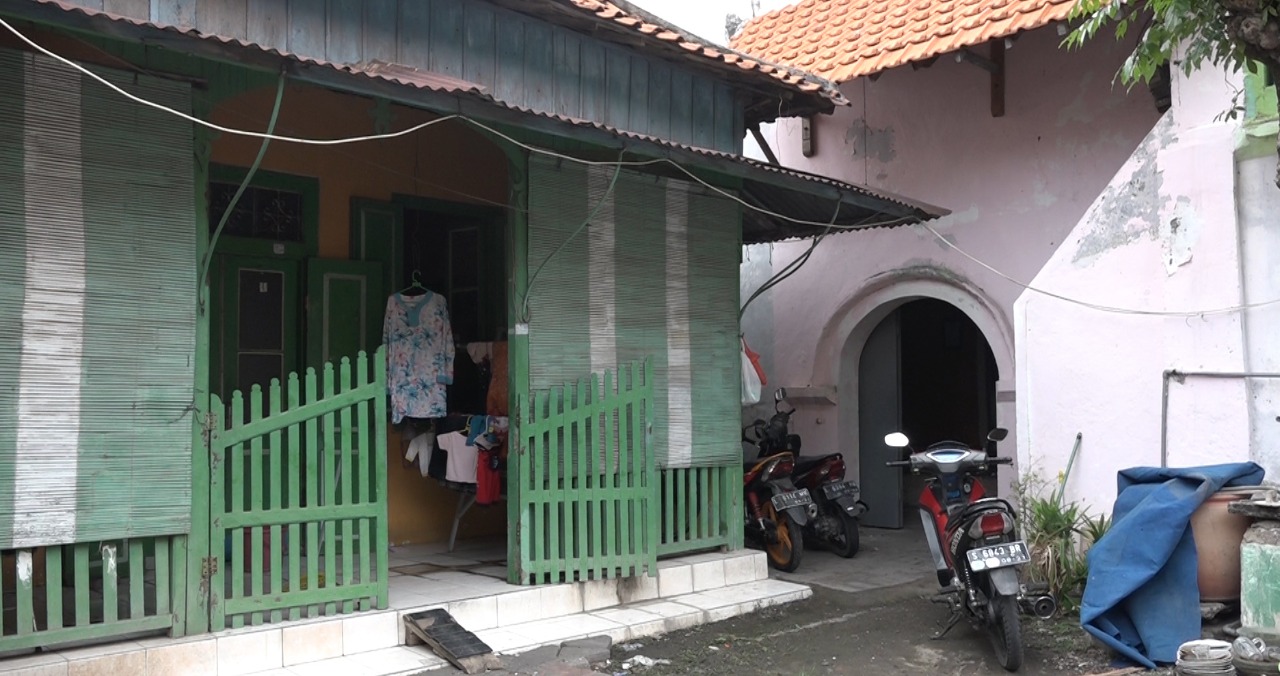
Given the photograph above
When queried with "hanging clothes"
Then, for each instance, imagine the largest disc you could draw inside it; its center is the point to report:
(420, 450)
(462, 457)
(488, 477)
(420, 355)
(470, 381)
(497, 399)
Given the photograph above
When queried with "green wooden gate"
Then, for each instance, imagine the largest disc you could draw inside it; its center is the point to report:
(298, 492)
(583, 480)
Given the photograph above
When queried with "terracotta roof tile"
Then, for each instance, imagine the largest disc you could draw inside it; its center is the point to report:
(844, 39)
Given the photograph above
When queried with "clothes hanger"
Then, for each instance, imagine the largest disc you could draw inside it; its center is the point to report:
(415, 285)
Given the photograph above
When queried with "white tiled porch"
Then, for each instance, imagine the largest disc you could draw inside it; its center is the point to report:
(470, 583)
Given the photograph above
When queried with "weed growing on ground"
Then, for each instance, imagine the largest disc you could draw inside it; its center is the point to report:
(1059, 533)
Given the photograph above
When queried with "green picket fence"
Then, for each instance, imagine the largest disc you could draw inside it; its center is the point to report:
(582, 480)
(299, 497)
(701, 509)
(88, 591)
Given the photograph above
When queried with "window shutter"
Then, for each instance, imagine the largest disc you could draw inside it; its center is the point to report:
(655, 275)
(97, 312)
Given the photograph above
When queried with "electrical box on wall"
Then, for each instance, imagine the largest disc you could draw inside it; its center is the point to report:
(806, 136)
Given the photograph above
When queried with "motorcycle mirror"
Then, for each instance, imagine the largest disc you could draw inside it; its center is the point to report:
(998, 434)
(896, 440)
(780, 394)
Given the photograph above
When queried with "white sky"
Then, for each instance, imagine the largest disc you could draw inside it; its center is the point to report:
(705, 18)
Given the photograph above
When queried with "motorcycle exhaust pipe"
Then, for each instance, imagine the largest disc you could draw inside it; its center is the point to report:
(1042, 607)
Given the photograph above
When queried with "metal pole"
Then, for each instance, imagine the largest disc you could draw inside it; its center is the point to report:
(1182, 375)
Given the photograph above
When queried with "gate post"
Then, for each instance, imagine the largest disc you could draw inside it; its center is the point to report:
(190, 603)
(517, 344)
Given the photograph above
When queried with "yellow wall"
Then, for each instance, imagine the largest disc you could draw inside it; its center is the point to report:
(449, 161)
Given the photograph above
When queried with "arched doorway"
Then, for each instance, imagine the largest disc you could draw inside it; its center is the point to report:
(926, 370)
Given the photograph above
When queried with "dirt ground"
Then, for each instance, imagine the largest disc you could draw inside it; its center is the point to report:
(883, 632)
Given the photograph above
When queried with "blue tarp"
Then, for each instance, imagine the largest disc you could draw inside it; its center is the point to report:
(1142, 598)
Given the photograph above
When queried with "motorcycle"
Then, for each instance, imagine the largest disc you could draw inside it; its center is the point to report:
(838, 505)
(776, 510)
(975, 544)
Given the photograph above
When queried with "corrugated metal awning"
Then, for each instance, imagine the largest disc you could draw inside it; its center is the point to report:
(789, 195)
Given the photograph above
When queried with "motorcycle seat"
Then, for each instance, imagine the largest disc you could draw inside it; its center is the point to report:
(806, 465)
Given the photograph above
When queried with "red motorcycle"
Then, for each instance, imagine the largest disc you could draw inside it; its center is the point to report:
(776, 510)
(835, 523)
(980, 565)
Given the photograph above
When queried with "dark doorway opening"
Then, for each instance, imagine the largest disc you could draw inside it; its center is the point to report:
(927, 371)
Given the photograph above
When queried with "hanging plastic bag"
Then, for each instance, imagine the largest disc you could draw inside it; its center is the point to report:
(751, 385)
(755, 362)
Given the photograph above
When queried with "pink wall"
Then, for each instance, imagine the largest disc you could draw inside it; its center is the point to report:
(1017, 186)
(1163, 236)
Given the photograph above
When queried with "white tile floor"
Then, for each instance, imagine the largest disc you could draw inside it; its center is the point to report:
(470, 583)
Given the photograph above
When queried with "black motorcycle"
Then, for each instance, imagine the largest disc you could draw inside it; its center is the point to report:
(835, 523)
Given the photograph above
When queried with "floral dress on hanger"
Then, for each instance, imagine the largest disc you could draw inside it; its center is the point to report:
(420, 348)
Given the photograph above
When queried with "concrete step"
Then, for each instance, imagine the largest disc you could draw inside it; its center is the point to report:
(627, 622)
(686, 591)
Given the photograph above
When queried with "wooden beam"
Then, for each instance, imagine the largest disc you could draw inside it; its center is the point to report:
(925, 63)
(997, 78)
(971, 57)
(764, 145)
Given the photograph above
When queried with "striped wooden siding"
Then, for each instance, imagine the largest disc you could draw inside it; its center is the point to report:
(520, 60)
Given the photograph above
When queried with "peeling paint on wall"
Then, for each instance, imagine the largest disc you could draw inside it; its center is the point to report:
(1077, 110)
(1128, 211)
(1179, 234)
(866, 141)
(1041, 196)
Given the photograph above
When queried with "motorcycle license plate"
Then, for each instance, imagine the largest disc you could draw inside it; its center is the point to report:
(840, 489)
(798, 498)
(998, 556)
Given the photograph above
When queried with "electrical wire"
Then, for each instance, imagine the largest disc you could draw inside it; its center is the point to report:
(1098, 306)
(404, 132)
(618, 164)
(244, 185)
(792, 267)
(205, 123)
(524, 303)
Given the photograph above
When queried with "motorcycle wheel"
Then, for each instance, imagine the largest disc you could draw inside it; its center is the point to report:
(784, 554)
(845, 542)
(1006, 632)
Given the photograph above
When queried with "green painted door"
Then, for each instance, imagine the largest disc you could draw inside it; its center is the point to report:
(254, 322)
(345, 305)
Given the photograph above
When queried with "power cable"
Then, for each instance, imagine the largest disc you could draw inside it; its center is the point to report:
(524, 303)
(618, 164)
(1098, 306)
(416, 128)
(244, 185)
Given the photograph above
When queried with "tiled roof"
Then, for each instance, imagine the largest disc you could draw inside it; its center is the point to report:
(844, 39)
(790, 192)
(657, 29)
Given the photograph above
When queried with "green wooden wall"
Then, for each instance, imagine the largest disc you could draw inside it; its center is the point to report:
(519, 60)
(97, 320)
(654, 275)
